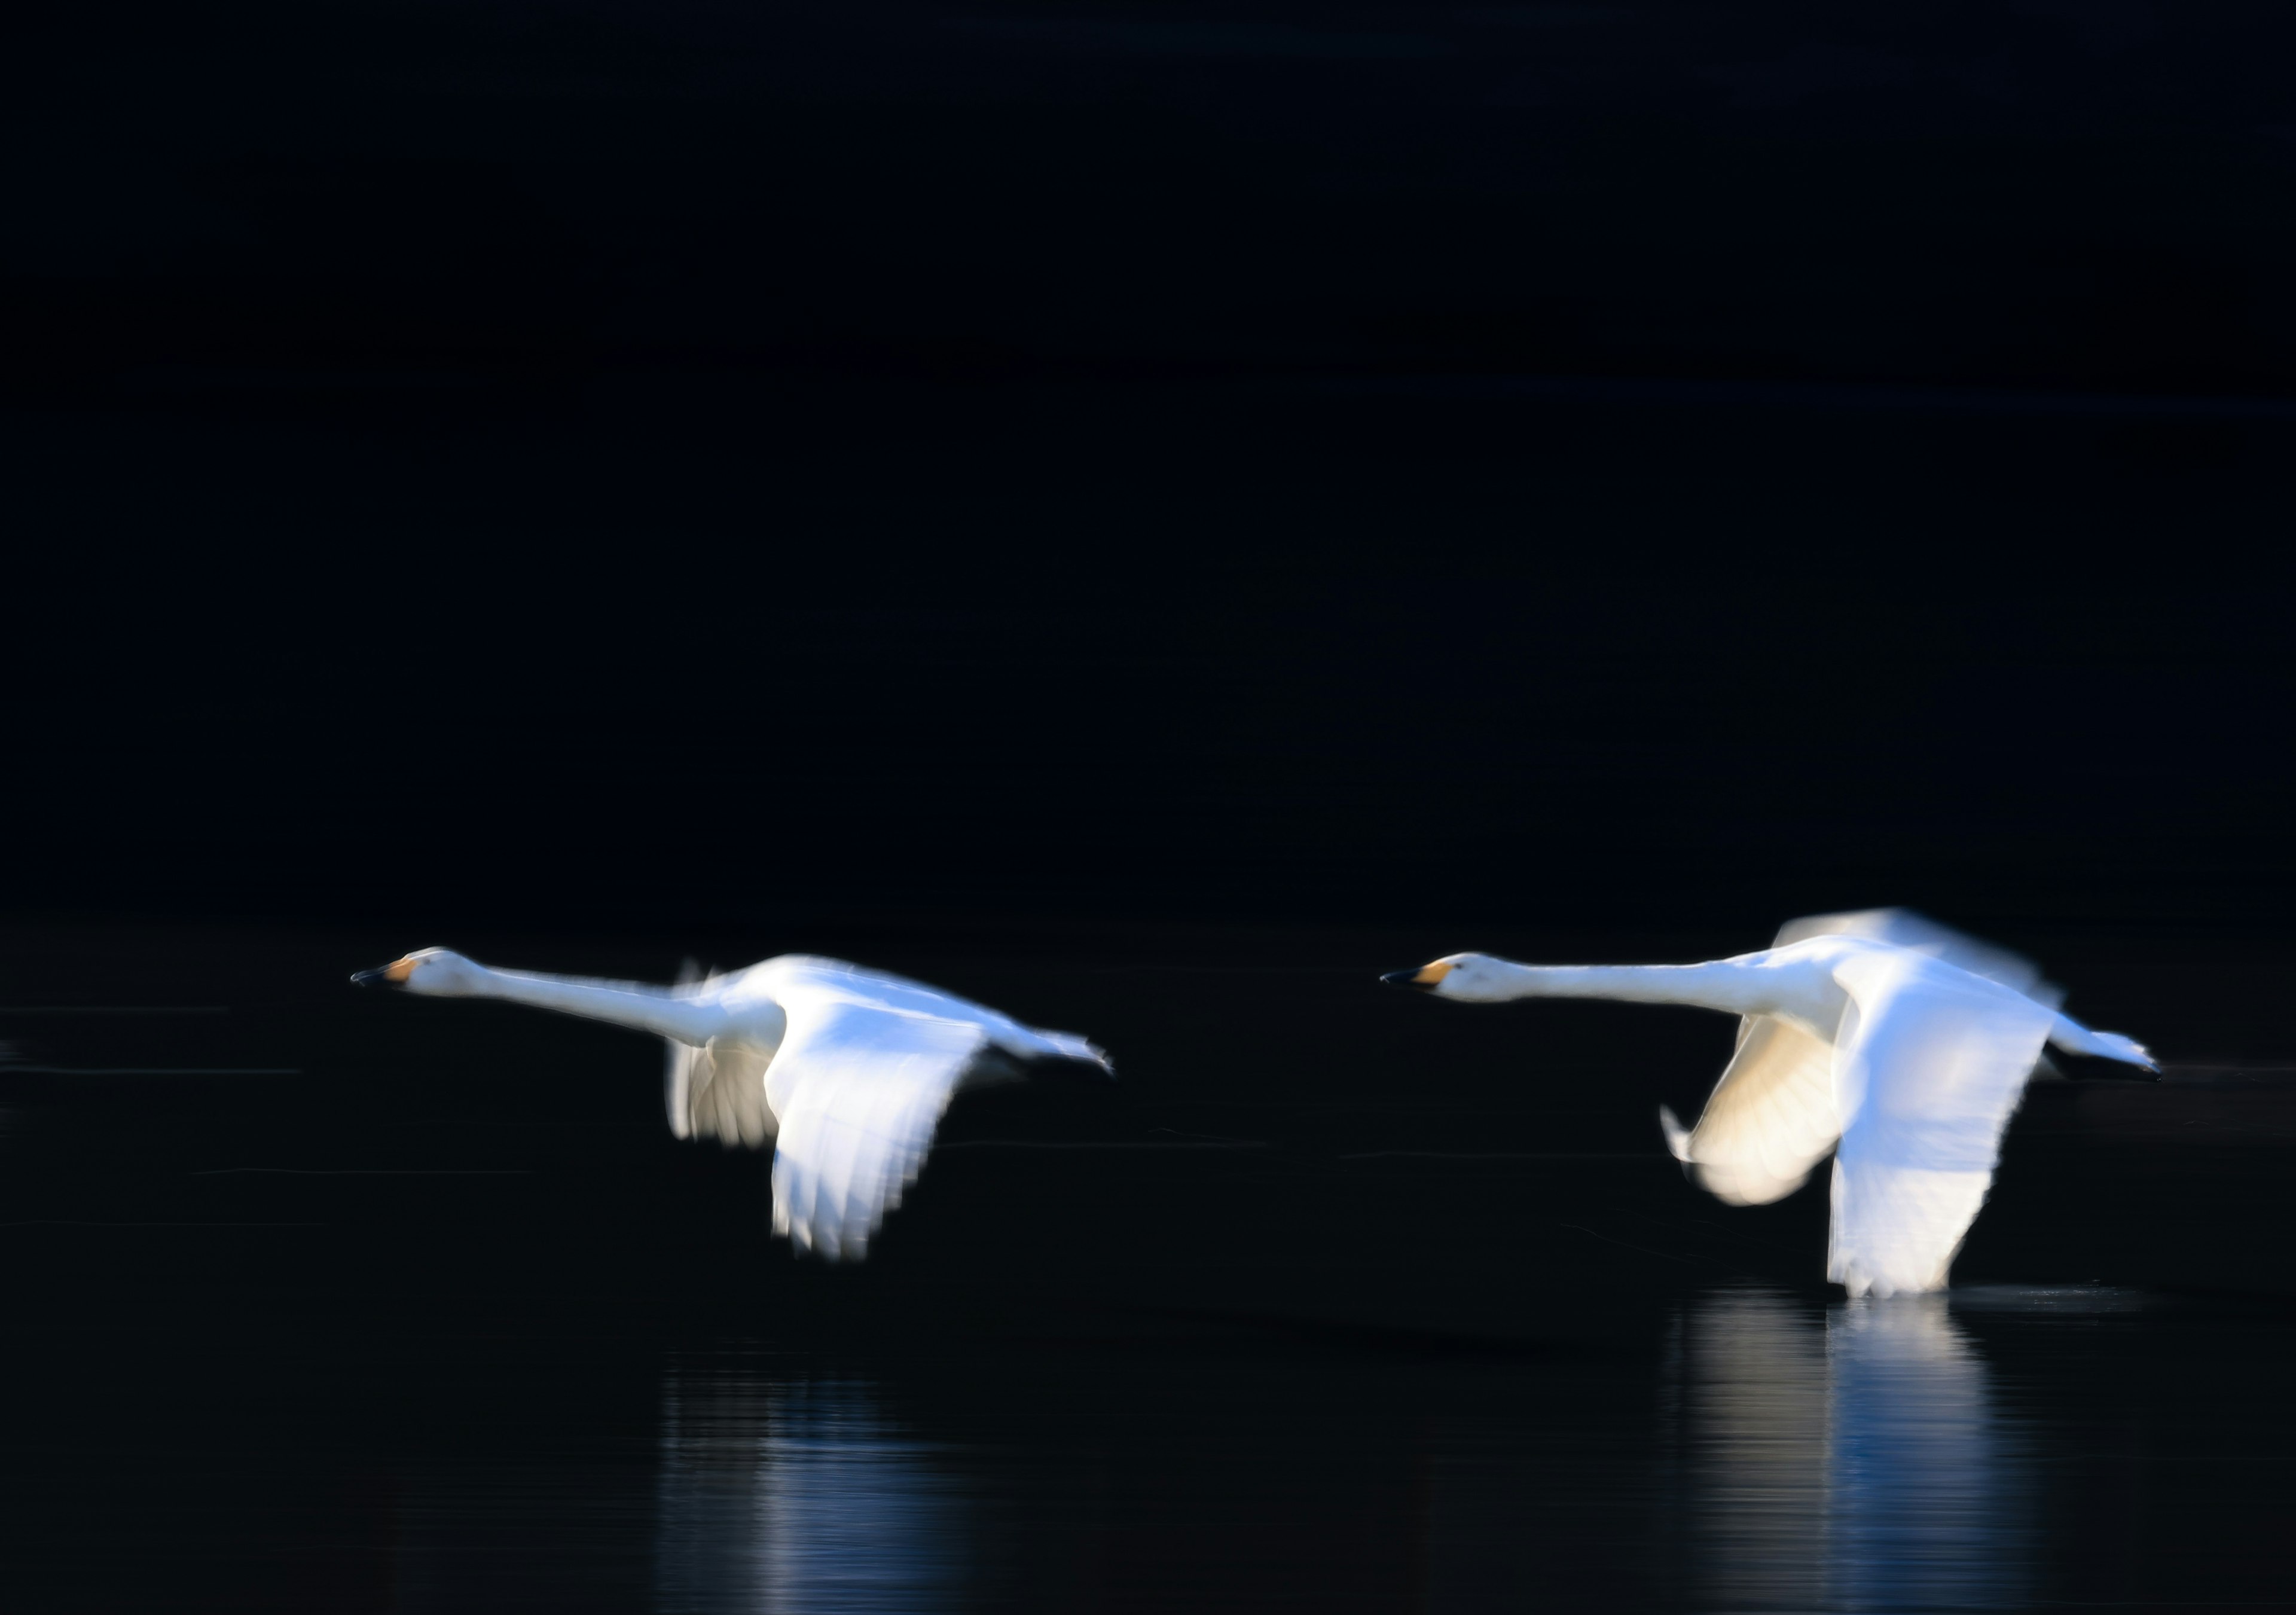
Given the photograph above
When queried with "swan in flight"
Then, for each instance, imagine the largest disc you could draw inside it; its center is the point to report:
(846, 1070)
(1897, 1044)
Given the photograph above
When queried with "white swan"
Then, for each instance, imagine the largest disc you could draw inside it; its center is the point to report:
(850, 1068)
(1900, 1045)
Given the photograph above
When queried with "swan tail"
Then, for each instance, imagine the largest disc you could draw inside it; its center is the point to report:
(1678, 1136)
(2070, 1035)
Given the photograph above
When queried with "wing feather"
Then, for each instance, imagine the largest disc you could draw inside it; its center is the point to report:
(679, 1084)
(1903, 927)
(1770, 1118)
(717, 1091)
(1933, 1068)
(858, 1090)
(681, 1081)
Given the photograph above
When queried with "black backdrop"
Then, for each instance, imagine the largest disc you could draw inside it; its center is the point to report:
(690, 464)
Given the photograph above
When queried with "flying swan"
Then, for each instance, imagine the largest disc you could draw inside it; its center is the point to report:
(1897, 1044)
(846, 1070)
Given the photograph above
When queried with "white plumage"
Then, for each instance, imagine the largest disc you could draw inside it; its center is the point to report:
(1898, 1045)
(846, 1072)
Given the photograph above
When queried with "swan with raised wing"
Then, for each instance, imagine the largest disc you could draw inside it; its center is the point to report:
(844, 1070)
(1899, 1044)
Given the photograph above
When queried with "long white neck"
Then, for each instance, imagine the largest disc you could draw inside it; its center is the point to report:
(649, 1009)
(1724, 984)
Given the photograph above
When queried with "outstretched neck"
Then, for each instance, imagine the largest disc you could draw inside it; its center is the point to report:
(649, 1009)
(1723, 985)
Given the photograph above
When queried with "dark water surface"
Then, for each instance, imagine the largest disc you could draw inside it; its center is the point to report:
(1338, 1301)
(2010, 1448)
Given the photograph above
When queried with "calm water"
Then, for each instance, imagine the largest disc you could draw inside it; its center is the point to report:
(319, 1301)
(2008, 1449)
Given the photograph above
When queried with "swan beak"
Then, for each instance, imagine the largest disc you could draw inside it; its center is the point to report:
(1426, 978)
(387, 975)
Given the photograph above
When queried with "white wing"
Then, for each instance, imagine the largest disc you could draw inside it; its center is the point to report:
(794, 975)
(677, 1088)
(858, 1090)
(1773, 1115)
(1932, 1064)
(1770, 1118)
(717, 1092)
(677, 1081)
(1903, 927)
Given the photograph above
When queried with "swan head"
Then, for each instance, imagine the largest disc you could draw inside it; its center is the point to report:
(1470, 978)
(436, 973)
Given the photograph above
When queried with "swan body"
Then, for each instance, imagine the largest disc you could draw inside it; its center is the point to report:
(845, 1071)
(1899, 1045)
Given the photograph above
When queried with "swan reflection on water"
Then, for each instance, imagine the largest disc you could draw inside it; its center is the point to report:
(1843, 1458)
(785, 1497)
(1851, 1462)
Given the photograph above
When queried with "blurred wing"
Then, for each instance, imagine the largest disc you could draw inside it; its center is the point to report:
(677, 1079)
(1933, 1068)
(858, 1090)
(1770, 1118)
(717, 1092)
(1903, 927)
(678, 1083)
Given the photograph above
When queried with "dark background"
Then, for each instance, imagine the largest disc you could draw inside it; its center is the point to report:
(693, 465)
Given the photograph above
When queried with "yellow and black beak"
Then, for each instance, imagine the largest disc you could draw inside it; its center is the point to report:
(1426, 978)
(388, 975)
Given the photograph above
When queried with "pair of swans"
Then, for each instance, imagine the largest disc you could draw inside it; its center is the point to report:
(1900, 1047)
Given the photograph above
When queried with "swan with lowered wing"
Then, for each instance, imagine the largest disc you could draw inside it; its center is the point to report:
(844, 1070)
(1901, 1046)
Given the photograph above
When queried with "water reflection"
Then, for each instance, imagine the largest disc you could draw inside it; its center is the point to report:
(799, 1496)
(1848, 1459)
